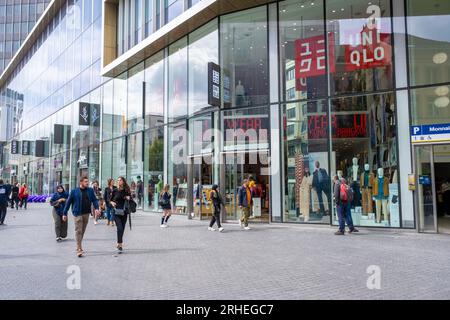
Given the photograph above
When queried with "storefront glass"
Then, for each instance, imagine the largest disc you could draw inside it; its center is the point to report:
(428, 41)
(154, 90)
(430, 105)
(177, 166)
(244, 58)
(153, 166)
(135, 121)
(177, 98)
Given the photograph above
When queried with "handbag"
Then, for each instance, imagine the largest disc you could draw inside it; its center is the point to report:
(119, 212)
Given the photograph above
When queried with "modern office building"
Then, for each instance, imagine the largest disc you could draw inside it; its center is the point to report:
(286, 93)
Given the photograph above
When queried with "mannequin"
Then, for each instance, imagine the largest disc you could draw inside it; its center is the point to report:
(381, 195)
(353, 176)
(366, 184)
(394, 177)
(158, 188)
(322, 184)
(305, 195)
(240, 93)
(340, 174)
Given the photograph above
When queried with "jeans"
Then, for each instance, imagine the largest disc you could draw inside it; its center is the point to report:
(322, 188)
(344, 216)
(3, 209)
(60, 225)
(121, 222)
(215, 219)
(15, 203)
(24, 203)
(109, 212)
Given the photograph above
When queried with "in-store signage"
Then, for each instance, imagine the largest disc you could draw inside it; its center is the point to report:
(214, 93)
(14, 147)
(342, 126)
(430, 133)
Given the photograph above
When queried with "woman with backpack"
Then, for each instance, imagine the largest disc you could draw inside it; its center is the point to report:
(58, 202)
(118, 201)
(164, 202)
(23, 196)
(217, 200)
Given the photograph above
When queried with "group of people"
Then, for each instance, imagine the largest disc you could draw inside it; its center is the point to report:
(84, 202)
(14, 196)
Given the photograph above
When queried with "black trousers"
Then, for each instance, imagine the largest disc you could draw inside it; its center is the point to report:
(121, 222)
(3, 209)
(215, 219)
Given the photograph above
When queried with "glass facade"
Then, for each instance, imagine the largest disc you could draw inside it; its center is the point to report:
(288, 95)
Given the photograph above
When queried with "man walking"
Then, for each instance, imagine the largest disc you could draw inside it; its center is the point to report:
(81, 199)
(343, 198)
(5, 190)
(139, 191)
(245, 204)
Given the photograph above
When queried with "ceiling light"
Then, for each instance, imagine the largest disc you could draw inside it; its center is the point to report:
(442, 102)
(441, 91)
(440, 58)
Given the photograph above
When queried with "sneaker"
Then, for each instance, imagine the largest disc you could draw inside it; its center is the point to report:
(119, 249)
(95, 222)
(353, 230)
(58, 239)
(240, 223)
(79, 253)
(339, 233)
(221, 229)
(163, 226)
(211, 229)
(247, 228)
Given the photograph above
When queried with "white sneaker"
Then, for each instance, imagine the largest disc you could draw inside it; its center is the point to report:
(221, 229)
(240, 223)
(95, 222)
(247, 228)
(211, 229)
(164, 226)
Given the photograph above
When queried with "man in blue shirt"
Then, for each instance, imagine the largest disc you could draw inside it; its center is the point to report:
(5, 191)
(81, 199)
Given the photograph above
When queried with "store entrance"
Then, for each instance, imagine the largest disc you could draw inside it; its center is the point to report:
(251, 165)
(433, 187)
(202, 171)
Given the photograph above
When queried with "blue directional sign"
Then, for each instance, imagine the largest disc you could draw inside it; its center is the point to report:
(430, 133)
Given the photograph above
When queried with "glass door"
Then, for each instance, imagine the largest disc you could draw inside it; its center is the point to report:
(202, 185)
(425, 192)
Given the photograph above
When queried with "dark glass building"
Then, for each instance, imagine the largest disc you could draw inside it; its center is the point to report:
(288, 94)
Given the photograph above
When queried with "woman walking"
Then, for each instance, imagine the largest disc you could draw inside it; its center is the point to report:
(58, 202)
(98, 195)
(217, 201)
(23, 196)
(107, 195)
(164, 202)
(118, 201)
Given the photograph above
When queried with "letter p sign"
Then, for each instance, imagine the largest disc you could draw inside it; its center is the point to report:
(416, 130)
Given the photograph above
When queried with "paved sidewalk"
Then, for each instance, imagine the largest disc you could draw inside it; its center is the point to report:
(185, 261)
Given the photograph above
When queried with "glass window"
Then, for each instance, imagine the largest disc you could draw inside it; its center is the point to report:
(244, 61)
(120, 106)
(119, 163)
(153, 165)
(173, 8)
(177, 156)
(302, 50)
(203, 48)
(364, 152)
(135, 160)
(107, 162)
(148, 17)
(305, 142)
(154, 90)
(429, 41)
(360, 46)
(135, 98)
(430, 105)
(108, 113)
(177, 80)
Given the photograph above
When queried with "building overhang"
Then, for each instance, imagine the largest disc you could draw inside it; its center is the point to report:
(188, 21)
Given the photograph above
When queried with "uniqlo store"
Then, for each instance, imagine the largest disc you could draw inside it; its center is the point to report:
(288, 94)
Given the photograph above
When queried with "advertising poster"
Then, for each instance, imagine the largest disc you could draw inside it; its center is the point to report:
(393, 205)
(181, 200)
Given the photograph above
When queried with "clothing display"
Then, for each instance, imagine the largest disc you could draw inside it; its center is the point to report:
(305, 197)
(366, 185)
(381, 195)
(382, 209)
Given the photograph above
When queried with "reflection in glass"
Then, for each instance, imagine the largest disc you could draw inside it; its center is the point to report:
(135, 102)
(154, 90)
(430, 105)
(153, 167)
(177, 80)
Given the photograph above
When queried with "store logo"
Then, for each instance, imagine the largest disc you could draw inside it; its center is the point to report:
(84, 114)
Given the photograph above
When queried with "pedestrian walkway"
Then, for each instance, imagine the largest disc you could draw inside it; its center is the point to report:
(185, 261)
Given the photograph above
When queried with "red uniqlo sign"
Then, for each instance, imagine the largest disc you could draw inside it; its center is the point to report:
(310, 56)
(367, 49)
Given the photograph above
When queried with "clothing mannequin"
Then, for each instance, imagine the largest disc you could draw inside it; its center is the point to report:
(240, 93)
(353, 176)
(340, 174)
(366, 184)
(394, 177)
(305, 195)
(381, 195)
(159, 186)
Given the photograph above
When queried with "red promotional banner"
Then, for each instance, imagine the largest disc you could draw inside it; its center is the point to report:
(310, 57)
(367, 49)
(342, 126)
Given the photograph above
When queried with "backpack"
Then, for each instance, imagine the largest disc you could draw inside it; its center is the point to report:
(345, 193)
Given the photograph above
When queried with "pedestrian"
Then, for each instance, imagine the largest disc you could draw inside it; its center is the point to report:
(133, 189)
(58, 203)
(98, 195)
(5, 191)
(81, 199)
(343, 196)
(107, 196)
(120, 196)
(23, 196)
(139, 191)
(15, 196)
(245, 204)
(217, 201)
(164, 202)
